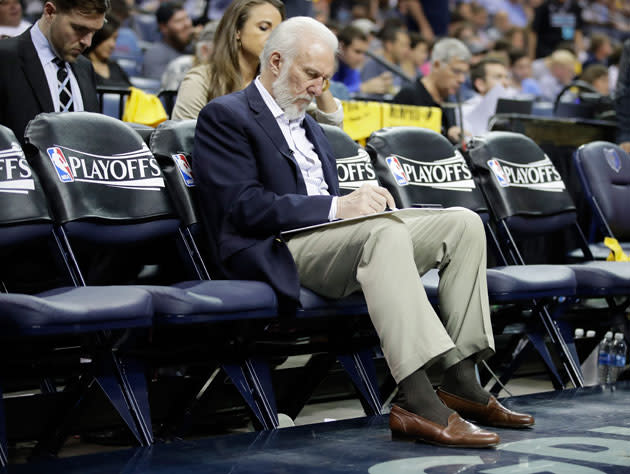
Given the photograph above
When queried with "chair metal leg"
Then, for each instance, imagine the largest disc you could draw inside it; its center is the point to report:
(538, 340)
(360, 367)
(4, 458)
(134, 383)
(116, 383)
(252, 378)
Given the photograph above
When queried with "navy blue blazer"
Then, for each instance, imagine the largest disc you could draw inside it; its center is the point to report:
(251, 188)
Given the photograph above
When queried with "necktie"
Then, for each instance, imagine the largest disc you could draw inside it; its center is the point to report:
(66, 104)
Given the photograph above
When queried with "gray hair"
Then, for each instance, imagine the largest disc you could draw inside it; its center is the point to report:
(207, 35)
(448, 49)
(289, 35)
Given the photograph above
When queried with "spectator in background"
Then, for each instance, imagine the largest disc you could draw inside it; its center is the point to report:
(500, 26)
(561, 71)
(235, 61)
(238, 42)
(353, 44)
(33, 62)
(622, 99)
(396, 50)
(490, 74)
(522, 84)
(519, 39)
(450, 60)
(479, 20)
(556, 21)
(177, 34)
(178, 67)
(597, 76)
(108, 72)
(11, 21)
(420, 49)
(599, 51)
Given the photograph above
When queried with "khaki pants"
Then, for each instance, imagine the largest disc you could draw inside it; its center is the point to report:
(384, 257)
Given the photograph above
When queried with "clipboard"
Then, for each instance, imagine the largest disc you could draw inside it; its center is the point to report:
(336, 222)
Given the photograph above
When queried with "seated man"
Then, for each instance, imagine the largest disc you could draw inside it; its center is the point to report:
(489, 78)
(450, 60)
(263, 167)
(354, 44)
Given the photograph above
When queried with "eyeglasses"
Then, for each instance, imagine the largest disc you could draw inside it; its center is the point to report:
(457, 71)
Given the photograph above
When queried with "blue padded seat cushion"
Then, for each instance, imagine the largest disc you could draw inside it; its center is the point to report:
(71, 306)
(602, 278)
(516, 282)
(216, 299)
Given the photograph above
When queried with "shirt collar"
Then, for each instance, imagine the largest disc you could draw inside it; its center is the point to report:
(42, 46)
(271, 103)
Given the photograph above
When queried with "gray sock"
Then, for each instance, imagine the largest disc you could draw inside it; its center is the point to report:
(416, 394)
(461, 380)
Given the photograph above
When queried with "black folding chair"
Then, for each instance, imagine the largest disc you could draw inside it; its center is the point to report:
(604, 172)
(529, 198)
(422, 168)
(98, 319)
(112, 193)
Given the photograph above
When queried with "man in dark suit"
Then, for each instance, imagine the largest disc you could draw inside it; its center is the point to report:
(263, 167)
(43, 69)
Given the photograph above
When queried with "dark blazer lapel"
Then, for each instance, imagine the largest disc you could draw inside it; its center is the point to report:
(34, 72)
(268, 123)
(82, 72)
(328, 165)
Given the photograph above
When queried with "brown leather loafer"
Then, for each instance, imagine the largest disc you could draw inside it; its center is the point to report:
(458, 433)
(491, 414)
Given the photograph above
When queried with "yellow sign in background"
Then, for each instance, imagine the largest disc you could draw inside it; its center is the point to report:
(362, 118)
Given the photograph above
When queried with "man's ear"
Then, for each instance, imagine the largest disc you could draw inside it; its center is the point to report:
(275, 63)
(49, 9)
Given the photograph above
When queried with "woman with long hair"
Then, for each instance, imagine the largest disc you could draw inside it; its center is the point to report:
(234, 64)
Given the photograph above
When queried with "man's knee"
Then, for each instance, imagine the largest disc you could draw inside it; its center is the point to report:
(389, 233)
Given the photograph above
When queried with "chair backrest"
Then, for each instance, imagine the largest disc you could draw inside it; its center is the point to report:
(604, 171)
(421, 167)
(103, 183)
(23, 211)
(145, 131)
(354, 168)
(172, 145)
(521, 182)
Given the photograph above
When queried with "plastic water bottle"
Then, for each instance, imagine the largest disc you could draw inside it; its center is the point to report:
(603, 359)
(617, 357)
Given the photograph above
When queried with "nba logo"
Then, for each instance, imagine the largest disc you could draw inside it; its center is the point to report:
(498, 172)
(184, 168)
(61, 164)
(397, 170)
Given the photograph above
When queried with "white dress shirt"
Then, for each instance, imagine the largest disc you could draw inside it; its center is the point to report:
(303, 150)
(46, 56)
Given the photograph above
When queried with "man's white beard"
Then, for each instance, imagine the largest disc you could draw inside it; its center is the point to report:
(285, 99)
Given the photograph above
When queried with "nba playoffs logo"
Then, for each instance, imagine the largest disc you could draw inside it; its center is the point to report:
(184, 168)
(613, 159)
(496, 168)
(61, 164)
(397, 170)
